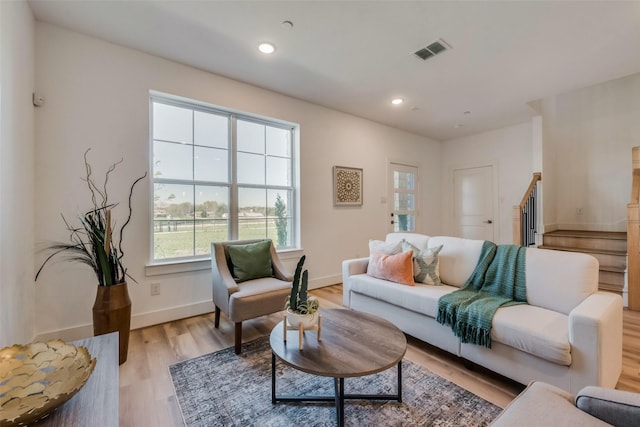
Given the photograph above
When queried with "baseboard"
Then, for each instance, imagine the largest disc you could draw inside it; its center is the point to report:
(137, 321)
(321, 282)
(69, 334)
(170, 314)
(162, 316)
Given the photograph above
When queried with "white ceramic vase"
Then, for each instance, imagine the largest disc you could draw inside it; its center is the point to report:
(307, 320)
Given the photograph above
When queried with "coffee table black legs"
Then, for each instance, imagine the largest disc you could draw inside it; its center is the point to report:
(400, 381)
(339, 383)
(273, 378)
(338, 398)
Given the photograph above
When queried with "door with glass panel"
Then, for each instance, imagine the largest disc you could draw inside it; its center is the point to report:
(403, 197)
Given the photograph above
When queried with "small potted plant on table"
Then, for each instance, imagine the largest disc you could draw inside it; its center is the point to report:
(301, 309)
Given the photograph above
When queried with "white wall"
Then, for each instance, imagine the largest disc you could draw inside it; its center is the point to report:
(97, 96)
(593, 130)
(16, 173)
(550, 164)
(510, 149)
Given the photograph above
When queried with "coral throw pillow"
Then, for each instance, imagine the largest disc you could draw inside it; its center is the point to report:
(395, 268)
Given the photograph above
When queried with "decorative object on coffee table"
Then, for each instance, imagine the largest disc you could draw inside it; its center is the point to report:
(95, 244)
(301, 309)
(347, 186)
(37, 378)
(355, 344)
(301, 328)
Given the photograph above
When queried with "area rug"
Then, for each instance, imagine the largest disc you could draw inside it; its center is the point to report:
(224, 389)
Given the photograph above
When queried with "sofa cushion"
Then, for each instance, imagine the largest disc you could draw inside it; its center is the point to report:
(397, 268)
(421, 299)
(254, 298)
(458, 258)
(558, 280)
(418, 240)
(538, 331)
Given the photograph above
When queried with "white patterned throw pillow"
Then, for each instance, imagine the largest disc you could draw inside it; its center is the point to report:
(425, 264)
(380, 246)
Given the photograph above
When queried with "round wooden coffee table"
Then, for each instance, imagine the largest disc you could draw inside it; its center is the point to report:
(353, 344)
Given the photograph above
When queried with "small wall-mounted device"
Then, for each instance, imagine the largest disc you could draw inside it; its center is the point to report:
(38, 100)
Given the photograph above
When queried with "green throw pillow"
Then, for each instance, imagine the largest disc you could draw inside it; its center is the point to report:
(252, 261)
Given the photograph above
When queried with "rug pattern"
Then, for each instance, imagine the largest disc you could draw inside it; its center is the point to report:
(223, 389)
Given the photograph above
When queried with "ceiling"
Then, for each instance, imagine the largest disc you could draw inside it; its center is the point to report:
(355, 56)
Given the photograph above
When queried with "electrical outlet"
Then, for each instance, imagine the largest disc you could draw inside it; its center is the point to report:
(155, 288)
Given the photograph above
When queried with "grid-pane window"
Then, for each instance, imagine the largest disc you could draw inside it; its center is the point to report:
(218, 175)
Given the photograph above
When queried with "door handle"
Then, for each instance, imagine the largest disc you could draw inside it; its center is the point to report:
(488, 221)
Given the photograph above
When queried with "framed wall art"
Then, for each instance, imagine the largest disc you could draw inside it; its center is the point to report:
(347, 186)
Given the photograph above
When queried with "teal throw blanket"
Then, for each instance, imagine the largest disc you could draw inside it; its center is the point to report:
(497, 281)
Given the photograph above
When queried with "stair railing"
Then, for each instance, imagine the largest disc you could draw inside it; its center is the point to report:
(525, 215)
(633, 235)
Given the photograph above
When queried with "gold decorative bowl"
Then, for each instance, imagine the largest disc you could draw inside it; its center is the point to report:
(37, 378)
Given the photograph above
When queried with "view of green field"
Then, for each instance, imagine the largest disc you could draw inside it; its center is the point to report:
(175, 238)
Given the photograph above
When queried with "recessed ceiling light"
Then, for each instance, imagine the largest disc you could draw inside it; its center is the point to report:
(467, 112)
(266, 48)
(287, 25)
(397, 101)
(458, 126)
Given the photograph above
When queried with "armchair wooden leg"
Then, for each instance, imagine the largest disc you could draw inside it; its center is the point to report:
(238, 337)
(216, 321)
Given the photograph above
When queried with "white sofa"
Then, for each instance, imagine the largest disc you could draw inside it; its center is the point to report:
(569, 334)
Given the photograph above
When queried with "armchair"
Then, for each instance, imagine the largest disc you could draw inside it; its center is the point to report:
(542, 404)
(249, 299)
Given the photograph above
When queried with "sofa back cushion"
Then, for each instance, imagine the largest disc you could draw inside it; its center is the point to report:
(458, 258)
(420, 241)
(558, 280)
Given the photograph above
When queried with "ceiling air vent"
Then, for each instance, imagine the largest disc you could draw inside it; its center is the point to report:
(433, 49)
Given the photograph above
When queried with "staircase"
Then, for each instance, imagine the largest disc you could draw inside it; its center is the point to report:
(609, 248)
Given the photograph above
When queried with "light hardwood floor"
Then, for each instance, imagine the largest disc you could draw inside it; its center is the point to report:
(146, 391)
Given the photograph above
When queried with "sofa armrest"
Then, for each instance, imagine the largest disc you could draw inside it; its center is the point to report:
(280, 272)
(616, 407)
(351, 267)
(595, 335)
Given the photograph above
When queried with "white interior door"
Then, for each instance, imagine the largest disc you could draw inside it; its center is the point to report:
(473, 202)
(403, 197)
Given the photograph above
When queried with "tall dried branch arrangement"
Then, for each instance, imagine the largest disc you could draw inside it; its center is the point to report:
(93, 242)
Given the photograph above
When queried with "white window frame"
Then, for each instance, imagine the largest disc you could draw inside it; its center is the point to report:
(201, 262)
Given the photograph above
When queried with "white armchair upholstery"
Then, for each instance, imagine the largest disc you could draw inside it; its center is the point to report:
(249, 299)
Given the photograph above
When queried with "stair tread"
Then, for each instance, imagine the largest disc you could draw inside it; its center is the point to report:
(612, 269)
(612, 235)
(607, 287)
(589, 251)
